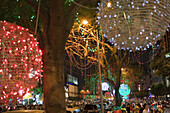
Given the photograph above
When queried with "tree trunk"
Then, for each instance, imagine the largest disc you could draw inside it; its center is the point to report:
(117, 94)
(53, 58)
(117, 97)
(54, 97)
(165, 87)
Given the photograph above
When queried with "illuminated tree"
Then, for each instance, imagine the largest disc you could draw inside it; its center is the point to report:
(82, 42)
(132, 75)
(160, 65)
(158, 89)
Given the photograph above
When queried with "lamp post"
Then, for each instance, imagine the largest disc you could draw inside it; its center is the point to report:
(100, 78)
(85, 22)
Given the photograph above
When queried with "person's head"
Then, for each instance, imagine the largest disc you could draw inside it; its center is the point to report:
(146, 106)
(138, 105)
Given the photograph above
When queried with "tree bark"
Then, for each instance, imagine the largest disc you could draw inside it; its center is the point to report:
(118, 98)
(53, 59)
(54, 97)
(117, 94)
(165, 87)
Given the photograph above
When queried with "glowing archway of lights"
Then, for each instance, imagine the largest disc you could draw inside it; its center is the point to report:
(134, 25)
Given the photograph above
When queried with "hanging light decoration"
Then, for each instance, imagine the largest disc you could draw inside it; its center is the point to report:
(20, 61)
(134, 24)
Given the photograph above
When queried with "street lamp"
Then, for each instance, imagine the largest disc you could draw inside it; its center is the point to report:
(85, 22)
(109, 4)
(87, 91)
(84, 92)
(139, 87)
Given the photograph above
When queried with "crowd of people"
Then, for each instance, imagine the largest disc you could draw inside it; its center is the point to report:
(128, 107)
(21, 107)
(146, 107)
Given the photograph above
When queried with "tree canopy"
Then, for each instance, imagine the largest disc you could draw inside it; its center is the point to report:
(161, 65)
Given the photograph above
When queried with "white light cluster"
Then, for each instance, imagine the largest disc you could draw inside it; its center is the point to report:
(134, 25)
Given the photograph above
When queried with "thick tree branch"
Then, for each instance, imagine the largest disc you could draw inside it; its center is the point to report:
(34, 4)
(72, 10)
(78, 54)
(110, 82)
(123, 57)
(44, 14)
(78, 44)
(96, 60)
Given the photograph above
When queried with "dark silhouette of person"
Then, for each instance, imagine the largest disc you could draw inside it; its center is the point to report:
(128, 108)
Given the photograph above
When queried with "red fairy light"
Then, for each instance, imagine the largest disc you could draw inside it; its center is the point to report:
(19, 58)
(15, 93)
(18, 27)
(14, 36)
(13, 42)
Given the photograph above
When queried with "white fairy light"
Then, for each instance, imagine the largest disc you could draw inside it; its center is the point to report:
(134, 23)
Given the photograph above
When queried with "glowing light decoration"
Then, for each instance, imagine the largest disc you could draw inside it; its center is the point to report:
(134, 25)
(105, 86)
(124, 90)
(20, 62)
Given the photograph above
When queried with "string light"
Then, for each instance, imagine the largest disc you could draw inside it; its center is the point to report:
(148, 61)
(75, 63)
(20, 61)
(79, 41)
(138, 22)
